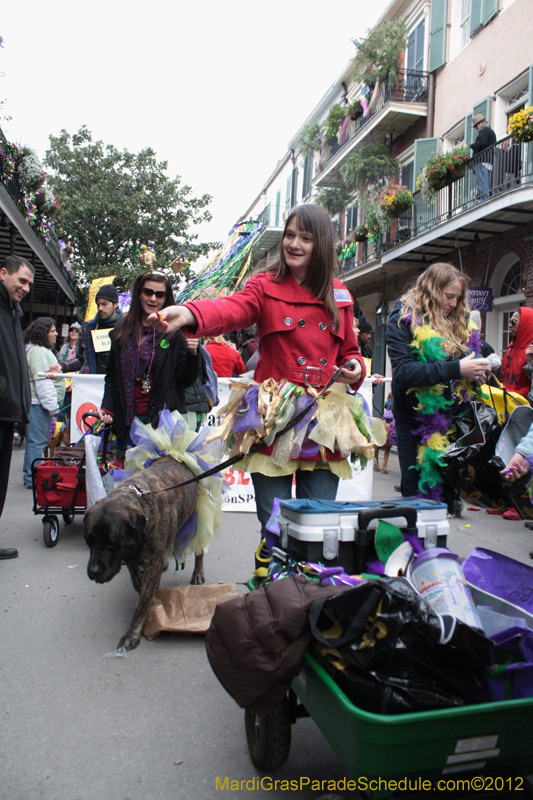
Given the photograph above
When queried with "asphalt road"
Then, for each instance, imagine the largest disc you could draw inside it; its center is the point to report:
(75, 725)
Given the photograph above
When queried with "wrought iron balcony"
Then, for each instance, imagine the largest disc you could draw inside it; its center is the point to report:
(411, 87)
(504, 167)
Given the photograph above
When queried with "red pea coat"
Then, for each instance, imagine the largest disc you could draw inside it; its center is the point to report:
(297, 339)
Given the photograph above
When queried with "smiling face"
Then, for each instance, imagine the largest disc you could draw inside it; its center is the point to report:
(450, 296)
(73, 335)
(297, 248)
(152, 297)
(18, 284)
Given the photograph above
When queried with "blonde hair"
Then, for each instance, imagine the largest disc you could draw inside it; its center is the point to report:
(423, 302)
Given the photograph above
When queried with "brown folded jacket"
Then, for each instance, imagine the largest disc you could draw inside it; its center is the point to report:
(256, 643)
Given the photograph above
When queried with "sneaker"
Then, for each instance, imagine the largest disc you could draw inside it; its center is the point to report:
(512, 513)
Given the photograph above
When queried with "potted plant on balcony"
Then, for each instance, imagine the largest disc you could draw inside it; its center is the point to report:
(359, 234)
(333, 122)
(395, 200)
(372, 164)
(310, 138)
(441, 171)
(378, 55)
(333, 200)
(354, 109)
(521, 125)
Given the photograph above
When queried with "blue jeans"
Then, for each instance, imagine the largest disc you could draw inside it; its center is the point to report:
(407, 446)
(320, 483)
(37, 435)
(483, 176)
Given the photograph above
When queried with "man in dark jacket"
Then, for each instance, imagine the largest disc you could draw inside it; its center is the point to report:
(483, 162)
(16, 279)
(92, 352)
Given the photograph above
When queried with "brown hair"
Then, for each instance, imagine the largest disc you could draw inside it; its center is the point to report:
(130, 324)
(424, 303)
(314, 219)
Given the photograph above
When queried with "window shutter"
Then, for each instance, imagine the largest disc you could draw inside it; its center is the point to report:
(278, 205)
(490, 9)
(469, 132)
(423, 149)
(411, 50)
(530, 144)
(288, 194)
(437, 34)
(267, 215)
(294, 186)
(476, 15)
(483, 107)
(530, 88)
(420, 35)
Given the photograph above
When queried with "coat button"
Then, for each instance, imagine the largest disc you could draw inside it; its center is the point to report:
(334, 328)
(288, 321)
(301, 323)
(323, 362)
(322, 326)
(301, 360)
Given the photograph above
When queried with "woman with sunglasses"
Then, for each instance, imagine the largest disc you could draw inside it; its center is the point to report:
(147, 371)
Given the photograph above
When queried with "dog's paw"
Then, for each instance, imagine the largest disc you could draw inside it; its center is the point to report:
(384, 471)
(376, 468)
(197, 578)
(129, 642)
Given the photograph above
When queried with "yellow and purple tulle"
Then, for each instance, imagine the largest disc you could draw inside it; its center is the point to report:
(338, 422)
(174, 437)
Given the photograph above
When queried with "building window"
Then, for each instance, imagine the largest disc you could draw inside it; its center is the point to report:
(514, 281)
(466, 8)
(351, 218)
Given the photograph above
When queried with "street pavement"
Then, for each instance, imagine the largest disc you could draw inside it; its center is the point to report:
(75, 725)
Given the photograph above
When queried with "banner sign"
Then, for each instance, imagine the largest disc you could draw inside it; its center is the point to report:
(87, 393)
(479, 298)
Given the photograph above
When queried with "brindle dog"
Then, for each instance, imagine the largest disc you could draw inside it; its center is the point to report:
(127, 527)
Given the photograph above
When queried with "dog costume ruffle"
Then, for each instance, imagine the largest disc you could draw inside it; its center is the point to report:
(174, 437)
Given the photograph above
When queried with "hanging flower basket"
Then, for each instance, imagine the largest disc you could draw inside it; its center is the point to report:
(360, 234)
(521, 125)
(397, 207)
(440, 171)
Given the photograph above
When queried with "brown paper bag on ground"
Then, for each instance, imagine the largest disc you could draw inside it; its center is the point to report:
(186, 609)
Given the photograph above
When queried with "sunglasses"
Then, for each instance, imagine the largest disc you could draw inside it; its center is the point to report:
(73, 329)
(513, 322)
(149, 292)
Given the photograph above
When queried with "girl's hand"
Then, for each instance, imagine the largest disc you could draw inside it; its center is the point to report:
(516, 467)
(192, 345)
(107, 419)
(352, 374)
(474, 368)
(172, 318)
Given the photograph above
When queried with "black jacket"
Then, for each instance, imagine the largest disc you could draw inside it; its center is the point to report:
(485, 138)
(408, 372)
(174, 368)
(195, 397)
(15, 395)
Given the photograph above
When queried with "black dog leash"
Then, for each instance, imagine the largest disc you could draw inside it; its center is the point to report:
(258, 445)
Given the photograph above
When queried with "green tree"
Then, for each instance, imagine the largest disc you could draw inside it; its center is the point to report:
(113, 202)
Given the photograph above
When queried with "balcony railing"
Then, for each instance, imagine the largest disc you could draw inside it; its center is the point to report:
(16, 193)
(503, 167)
(411, 87)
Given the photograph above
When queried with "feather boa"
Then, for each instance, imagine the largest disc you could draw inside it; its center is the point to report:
(437, 409)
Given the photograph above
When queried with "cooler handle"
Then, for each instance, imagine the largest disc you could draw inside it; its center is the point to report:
(379, 512)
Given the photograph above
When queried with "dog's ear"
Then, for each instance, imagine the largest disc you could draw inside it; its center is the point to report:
(137, 524)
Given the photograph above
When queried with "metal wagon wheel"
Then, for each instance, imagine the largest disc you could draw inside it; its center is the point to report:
(50, 530)
(269, 737)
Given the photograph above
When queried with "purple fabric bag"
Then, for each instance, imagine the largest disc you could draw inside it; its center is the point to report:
(500, 575)
(512, 676)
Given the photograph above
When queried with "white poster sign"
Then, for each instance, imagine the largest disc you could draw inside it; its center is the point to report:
(87, 393)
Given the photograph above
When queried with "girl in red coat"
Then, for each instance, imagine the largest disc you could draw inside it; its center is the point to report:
(304, 321)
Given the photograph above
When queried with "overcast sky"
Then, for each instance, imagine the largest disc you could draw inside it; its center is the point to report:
(217, 88)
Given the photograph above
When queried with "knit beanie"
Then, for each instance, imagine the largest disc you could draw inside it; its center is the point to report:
(107, 292)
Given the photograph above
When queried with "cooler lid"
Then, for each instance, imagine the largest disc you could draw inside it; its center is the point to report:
(315, 506)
